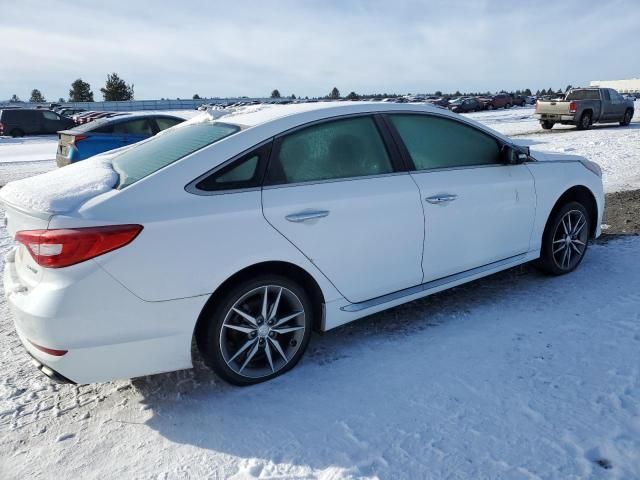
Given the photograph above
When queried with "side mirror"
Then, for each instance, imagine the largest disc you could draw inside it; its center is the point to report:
(512, 155)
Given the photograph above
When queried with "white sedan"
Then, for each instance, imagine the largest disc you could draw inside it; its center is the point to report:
(249, 231)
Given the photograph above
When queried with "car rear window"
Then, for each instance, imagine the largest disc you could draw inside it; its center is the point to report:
(583, 95)
(149, 156)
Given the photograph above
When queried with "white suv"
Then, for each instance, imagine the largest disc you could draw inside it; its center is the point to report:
(250, 231)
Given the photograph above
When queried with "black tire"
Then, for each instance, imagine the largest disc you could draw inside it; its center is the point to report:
(547, 125)
(210, 339)
(585, 121)
(628, 115)
(490, 106)
(552, 262)
(17, 132)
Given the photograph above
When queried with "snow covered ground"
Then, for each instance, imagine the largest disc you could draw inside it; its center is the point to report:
(516, 376)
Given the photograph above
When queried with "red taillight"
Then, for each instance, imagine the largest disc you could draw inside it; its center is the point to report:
(1, 128)
(77, 138)
(573, 107)
(50, 351)
(65, 247)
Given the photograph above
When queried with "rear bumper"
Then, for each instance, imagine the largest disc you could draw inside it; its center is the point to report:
(108, 332)
(554, 117)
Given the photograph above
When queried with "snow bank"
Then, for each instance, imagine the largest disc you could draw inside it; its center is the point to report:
(61, 190)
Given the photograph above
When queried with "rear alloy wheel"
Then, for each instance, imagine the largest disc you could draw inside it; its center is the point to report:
(628, 115)
(585, 121)
(565, 239)
(547, 125)
(260, 331)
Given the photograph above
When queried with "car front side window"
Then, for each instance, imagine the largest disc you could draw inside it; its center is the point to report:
(336, 149)
(50, 116)
(434, 142)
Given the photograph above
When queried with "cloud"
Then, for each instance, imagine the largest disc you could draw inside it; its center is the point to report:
(173, 49)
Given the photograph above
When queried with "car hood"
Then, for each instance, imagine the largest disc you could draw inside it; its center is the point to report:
(555, 156)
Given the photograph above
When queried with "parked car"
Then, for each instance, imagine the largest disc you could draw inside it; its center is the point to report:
(501, 100)
(439, 101)
(105, 134)
(23, 121)
(80, 115)
(518, 100)
(583, 107)
(96, 115)
(248, 233)
(70, 112)
(465, 105)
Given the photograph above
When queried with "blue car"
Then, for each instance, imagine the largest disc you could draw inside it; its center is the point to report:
(105, 134)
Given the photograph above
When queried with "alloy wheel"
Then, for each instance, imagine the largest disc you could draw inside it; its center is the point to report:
(262, 331)
(570, 239)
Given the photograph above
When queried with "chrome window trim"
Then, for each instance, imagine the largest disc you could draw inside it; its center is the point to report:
(333, 180)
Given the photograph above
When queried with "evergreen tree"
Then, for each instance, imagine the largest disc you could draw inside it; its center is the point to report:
(569, 87)
(275, 93)
(438, 93)
(352, 96)
(293, 96)
(116, 89)
(61, 100)
(335, 94)
(80, 91)
(196, 97)
(36, 96)
(14, 99)
(527, 91)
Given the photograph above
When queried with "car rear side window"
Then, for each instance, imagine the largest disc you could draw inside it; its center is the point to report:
(435, 142)
(583, 95)
(164, 122)
(140, 126)
(149, 156)
(336, 149)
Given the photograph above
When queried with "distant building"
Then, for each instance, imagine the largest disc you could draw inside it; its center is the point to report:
(622, 86)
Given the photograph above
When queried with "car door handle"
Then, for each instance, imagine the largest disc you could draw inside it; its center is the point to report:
(307, 215)
(443, 198)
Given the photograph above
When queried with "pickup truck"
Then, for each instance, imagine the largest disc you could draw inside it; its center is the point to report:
(583, 107)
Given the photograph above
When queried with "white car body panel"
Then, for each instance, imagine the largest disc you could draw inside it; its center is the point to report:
(351, 245)
(490, 219)
(133, 311)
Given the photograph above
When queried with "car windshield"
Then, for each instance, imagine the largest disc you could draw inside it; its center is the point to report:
(147, 157)
(583, 95)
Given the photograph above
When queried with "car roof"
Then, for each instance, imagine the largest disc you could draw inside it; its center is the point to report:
(273, 119)
(259, 114)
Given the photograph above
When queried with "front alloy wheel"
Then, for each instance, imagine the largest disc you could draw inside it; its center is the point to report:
(260, 331)
(565, 239)
(570, 240)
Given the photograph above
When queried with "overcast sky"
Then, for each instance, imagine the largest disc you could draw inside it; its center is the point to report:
(177, 48)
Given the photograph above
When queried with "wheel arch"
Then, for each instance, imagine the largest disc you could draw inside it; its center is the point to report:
(287, 269)
(583, 195)
(589, 111)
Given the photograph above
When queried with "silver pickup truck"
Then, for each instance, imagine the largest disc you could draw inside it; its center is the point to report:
(585, 106)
